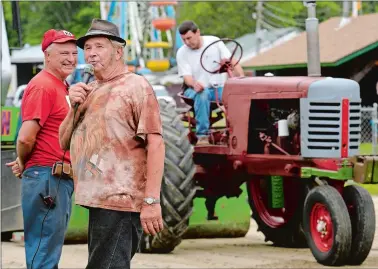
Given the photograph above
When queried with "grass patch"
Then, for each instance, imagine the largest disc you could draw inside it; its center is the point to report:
(366, 149)
(371, 188)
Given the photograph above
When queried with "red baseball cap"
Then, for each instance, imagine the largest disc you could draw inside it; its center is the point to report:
(56, 36)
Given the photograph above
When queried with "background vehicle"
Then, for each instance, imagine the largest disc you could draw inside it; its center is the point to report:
(162, 93)
(11, 214)
(294, 141)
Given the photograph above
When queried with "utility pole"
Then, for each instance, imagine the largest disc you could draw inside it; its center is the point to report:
(355, 7)
(313, 49)
(259, 17)
(17, 21)
(346, 14)
(346, 9)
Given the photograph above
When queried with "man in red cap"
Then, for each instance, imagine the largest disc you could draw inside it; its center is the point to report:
(45, 189)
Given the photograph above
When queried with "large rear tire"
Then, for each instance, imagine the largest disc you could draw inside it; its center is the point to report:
(178, 188)
(362, 216)
(282, 228)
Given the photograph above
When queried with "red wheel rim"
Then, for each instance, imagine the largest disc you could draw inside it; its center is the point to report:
(275, 217)
(321, 227)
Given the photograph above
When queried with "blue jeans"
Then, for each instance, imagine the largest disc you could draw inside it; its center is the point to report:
(202, 107)
(113, 238)
(36, 180)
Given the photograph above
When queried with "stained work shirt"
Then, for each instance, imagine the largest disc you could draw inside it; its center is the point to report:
(108, 146)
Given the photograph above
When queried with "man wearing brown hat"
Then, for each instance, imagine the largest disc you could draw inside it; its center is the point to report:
(117, 150)
(43, 108)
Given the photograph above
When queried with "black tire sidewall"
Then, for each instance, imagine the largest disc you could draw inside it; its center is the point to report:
(363, 222)
(171, 236)
(289, 235)
(323, 195)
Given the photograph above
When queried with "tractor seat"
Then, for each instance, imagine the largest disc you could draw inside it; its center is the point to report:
(190, 102)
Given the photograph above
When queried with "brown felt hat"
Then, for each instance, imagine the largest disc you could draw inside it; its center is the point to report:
(101, 28)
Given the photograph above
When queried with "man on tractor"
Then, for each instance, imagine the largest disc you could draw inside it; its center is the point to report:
(199, 84)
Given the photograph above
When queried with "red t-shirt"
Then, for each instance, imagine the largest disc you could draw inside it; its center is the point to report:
(44, 100)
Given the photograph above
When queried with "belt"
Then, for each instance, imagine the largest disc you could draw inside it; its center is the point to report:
(62, 169)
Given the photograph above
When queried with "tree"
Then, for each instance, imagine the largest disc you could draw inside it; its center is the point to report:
(38, 17)
(230, 19)
(223, 19)
(234, 19)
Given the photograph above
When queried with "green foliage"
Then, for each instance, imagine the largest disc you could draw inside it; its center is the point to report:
(12, 34)
(224, 18)
(371, 188)
(234, 19)
(369, 7)
(38, 17)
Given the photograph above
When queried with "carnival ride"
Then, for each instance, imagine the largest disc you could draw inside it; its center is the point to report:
(148, 29)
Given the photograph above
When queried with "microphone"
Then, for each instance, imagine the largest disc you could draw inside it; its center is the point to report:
(88, 73)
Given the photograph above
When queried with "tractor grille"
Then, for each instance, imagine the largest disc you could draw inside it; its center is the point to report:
(324, 126)
(321, 129)
(354, 126)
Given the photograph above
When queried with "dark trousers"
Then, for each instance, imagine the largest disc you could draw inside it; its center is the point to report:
(113, 238)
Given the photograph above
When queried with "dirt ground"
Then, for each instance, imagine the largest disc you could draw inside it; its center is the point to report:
(248, 252)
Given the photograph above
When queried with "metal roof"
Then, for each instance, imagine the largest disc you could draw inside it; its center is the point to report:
(337, 44)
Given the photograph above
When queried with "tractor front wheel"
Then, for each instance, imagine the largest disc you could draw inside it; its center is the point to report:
(327, 226)
(362, 215)
(178, 188)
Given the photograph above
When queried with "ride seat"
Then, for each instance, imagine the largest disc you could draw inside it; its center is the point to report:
(213, 108)
(190, 102)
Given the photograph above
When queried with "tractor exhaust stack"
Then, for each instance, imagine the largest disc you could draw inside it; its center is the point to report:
(313, 50)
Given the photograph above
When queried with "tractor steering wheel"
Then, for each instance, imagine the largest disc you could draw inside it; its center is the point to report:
(225, 64)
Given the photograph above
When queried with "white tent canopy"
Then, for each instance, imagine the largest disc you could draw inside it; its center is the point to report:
(28, 54)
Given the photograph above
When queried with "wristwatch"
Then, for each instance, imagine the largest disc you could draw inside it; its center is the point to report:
(150, 200)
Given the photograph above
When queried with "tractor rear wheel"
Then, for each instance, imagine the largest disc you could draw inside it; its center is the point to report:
(362, 216)
(327, 226)
(178, 188)
(281, 226)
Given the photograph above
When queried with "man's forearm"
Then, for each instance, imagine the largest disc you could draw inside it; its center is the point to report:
(189, 81)
(155, 165)
(239, 71)
(24, 150)
(66, 129)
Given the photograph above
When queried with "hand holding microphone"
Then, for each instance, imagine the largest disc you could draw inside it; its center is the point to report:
(79, 92)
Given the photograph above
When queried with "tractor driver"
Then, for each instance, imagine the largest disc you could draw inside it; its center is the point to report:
(201, 85)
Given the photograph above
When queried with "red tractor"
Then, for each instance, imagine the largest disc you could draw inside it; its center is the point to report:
(294, 142)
